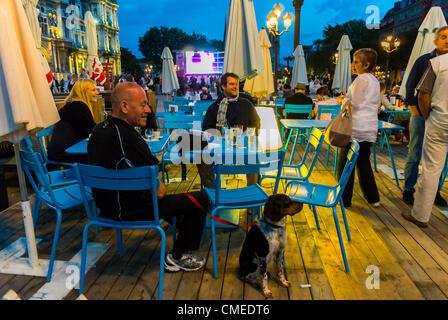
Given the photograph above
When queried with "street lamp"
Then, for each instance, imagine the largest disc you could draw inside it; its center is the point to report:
(334, 58)
(272, 25)
(389, 44)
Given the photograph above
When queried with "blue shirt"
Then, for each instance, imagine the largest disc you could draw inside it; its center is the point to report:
(417, 71)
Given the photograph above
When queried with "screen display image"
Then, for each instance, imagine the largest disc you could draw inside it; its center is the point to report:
(203, 62)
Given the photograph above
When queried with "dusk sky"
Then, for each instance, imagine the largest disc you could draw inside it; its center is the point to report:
(207, 17)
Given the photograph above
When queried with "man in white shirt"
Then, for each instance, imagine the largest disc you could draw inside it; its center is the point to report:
(433, 103)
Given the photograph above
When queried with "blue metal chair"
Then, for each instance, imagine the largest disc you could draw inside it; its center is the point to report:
(181, 121)
(279, 103)
(302, 172)
(333, 110)
(180, 98)
(200, 107)
(41, 135)
(327, 196)
(56, 196)
(171, 153)
(177, 121)
(56, 178)
(297, 109)
(249, 197)
(444, 173)
(181, 105)
(138, 178)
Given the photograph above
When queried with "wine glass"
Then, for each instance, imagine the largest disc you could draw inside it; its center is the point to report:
(148, 134)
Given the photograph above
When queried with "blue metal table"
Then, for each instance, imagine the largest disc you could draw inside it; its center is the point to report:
(222, 149)
(390, 117)
(392, 113)
(156, 146)
(299, 124)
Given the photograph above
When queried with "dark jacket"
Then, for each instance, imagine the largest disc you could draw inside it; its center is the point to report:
(417, 71)
(299, 99)
(206, 96)
(151, 119)
(75, 125)
(241, 112)
(104, 150)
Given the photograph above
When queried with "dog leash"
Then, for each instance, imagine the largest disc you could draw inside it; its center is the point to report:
(197, 204)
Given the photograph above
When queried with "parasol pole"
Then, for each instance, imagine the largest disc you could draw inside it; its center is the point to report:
(26, 211)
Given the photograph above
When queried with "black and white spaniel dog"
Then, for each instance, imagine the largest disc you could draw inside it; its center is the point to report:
(266, 240)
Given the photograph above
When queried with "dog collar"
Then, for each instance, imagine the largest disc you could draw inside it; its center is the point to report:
(272, 224)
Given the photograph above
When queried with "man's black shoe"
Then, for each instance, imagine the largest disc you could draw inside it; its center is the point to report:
(408, 197)
(439, 201)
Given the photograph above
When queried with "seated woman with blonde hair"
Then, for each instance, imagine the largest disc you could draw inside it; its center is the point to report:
(76, 122)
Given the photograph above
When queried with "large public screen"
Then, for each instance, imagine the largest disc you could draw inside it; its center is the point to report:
(203, 62)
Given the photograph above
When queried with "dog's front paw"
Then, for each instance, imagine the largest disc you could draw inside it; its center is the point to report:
(285, 283)
(267, 293)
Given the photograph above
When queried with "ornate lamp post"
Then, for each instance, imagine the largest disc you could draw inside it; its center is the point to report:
(334, 58)
(298, 8)
(389, 44)
(272, 25)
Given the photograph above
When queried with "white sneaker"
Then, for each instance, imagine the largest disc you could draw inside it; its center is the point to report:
(188, 262)
(376, 204)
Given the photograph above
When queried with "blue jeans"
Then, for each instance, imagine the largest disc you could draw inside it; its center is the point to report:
(416, 135)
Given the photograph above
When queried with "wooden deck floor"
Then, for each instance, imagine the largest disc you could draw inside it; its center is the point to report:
(412, 262)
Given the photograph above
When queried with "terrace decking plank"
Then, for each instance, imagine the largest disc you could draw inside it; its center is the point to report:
(99, 289)
(68, 245)
(357, 258)
(320, 285)
(105, 235)
(294, 267)
(418, 255)
(341, 282)
(356, 250)
(409, 292)
(211, 288)
(135, 267)
(147, 283)
(412, 246)
(191, 282)
(233, 287)
(438, 235)
(415, 272)
(413, 262)
(44, 248)
(364, 251)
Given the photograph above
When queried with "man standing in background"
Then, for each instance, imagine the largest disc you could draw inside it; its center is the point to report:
(417, 122)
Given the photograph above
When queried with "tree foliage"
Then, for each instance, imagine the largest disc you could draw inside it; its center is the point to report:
(320, 54)
(156, 39)
(130, 63)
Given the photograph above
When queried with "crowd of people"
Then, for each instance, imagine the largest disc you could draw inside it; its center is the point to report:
(115, 143)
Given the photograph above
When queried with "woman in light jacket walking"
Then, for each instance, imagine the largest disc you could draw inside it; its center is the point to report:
(364, 94)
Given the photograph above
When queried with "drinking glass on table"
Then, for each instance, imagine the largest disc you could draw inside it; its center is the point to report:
(250, 133)
(221, 128)
(148, 134)
(235, 132)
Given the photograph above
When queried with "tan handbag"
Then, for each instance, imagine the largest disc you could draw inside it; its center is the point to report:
(339, 131)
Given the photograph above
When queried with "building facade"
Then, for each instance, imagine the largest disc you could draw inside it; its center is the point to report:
(406, 15)
(63, 34)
